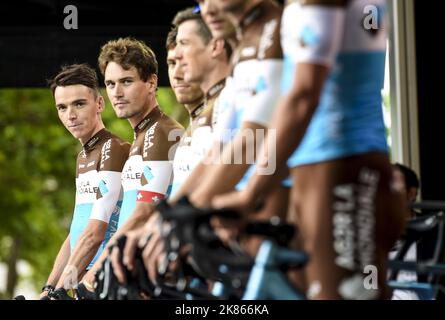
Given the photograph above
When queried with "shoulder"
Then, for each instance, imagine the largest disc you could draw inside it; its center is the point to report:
(159, 137)
(113, 153)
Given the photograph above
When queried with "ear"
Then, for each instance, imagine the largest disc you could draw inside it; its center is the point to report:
(100, 104)
(152, 81)
(217, 47)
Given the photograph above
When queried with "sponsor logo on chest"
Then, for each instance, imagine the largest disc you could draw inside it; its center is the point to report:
(148, 140)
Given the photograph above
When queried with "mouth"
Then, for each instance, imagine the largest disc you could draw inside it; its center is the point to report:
(182, 86)
(74, 126)
(120, 104)
(182, 89)
(216, 24)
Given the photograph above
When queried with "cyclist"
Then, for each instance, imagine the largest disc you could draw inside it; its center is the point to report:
(98, 172)
(130, 70)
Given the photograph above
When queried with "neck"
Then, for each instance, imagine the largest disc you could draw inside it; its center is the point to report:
(191, 106)
(99, 127)
(232, 41)
(151, 104)
(219, 72)
(237, 15)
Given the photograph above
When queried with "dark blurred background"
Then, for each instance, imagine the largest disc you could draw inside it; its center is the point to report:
(32, 34)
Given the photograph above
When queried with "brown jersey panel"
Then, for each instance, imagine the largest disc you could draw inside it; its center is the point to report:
(114, 153)
(260, 33)
(160, 139)
(89, 157)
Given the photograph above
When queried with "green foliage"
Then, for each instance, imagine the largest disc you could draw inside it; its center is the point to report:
(36, 180)
(37, 160)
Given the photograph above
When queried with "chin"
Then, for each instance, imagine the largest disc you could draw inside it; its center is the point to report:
(182, 99)
(121, 115)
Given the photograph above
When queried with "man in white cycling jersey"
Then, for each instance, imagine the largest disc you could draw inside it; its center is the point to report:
(130, 71)
(98, 175)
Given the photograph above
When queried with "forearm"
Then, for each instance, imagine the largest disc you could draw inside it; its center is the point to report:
(60, 263)
(190, 184)
(84, 252)
(140, 215)
(223, 175)
(290, 122)
(221, 179)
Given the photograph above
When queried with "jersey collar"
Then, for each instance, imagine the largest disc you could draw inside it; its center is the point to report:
(215, 89)
(197, 110)
(149, 118)
(248, 17)
(92, 142)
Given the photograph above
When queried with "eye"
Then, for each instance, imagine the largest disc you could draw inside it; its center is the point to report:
(61, 108)
(127, 82)
(110, 85)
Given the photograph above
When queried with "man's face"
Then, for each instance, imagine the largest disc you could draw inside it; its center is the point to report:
(216, 20)
(79, 110)
(230, 5)
(128, 94)
(185, 93)
(191, 52)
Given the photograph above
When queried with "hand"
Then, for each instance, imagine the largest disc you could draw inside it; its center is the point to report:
(127, 254)
(227, 230)
(199, 199)
(116, 265)
(44, 294)
(242, 201)
(89, 278)
(153, 254)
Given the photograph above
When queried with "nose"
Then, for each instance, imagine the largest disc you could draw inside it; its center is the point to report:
(72, 113)
(208, 7)
(118, 91)
(178, 54)
(178, 74)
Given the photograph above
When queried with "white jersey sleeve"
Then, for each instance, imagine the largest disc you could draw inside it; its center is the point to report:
(258, 105)
(108, 193)
(224, 113)
(313, 33)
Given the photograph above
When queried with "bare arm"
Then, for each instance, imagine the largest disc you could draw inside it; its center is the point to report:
(139, 216)
(59, 264)
(222, 177)
(85, 250)
(290, 121)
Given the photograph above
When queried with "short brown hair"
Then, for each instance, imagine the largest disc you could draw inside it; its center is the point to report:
(129, 52)
(203, 29)
(75, 74)
(170, 42)
(190, 14)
